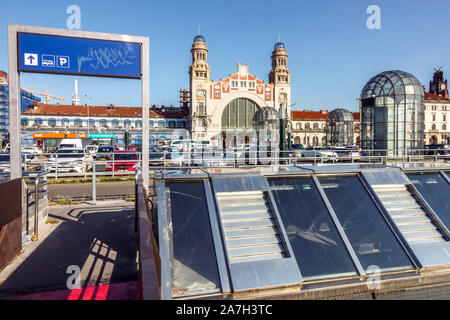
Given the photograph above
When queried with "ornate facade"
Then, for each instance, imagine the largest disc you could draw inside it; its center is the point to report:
(231, 103)
(437, 110)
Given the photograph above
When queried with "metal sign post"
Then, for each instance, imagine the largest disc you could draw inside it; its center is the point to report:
(79, 53)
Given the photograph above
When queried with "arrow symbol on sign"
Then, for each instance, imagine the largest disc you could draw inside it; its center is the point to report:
(31, 58)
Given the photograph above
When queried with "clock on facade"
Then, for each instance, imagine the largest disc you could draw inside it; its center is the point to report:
(443, 87)
(200, 93)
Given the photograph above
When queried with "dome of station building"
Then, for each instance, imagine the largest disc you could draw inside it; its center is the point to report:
(199, 38)
(279, 45)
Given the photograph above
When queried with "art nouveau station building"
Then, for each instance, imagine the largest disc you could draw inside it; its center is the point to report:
(230, 104)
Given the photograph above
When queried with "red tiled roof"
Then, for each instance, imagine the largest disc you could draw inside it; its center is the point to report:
(3, 74)
(310, 115)
(432, 96)
(315, 115)
(102, 111)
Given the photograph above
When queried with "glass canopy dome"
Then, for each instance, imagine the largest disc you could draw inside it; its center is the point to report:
(392, 113)
(339, 128)
(267, 118)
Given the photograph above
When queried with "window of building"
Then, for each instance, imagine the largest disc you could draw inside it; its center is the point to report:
(234, 84)
(51, 122)
(92, 122)
(78, 122)
(299, 125)
(201, 108)
(139, 123)
(171, 124)
(444, 117)
(434, 117)
(307, 126)
(433, 127)
(65, 122)
(115, 123)
(444, 108)
(103, 122)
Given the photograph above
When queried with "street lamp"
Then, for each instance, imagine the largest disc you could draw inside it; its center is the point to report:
(90, 102)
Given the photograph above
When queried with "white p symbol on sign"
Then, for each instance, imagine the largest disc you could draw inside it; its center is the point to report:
(62, 62)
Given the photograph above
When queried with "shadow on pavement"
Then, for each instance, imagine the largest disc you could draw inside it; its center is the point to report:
(100, 240)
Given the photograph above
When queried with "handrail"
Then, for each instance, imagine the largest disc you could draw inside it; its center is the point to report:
(37, 178)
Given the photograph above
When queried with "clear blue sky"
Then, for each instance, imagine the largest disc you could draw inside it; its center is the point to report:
(332, 53)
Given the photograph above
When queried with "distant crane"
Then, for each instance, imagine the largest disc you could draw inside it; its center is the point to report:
(46, 95)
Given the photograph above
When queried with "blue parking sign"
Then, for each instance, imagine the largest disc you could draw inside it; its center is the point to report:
(78, 56)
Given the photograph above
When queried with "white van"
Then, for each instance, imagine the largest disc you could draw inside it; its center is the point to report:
(71, 143)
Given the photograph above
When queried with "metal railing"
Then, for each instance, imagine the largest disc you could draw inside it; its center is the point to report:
(88, 167)
(39, 180)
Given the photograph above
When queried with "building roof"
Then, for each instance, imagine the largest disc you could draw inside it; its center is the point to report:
(309, 115)
(316, 115)
(432, 96)
(104, 111)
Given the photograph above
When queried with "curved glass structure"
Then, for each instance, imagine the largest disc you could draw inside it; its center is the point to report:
(239, 114)
(392, 113)
(267, 118)
(339, 129)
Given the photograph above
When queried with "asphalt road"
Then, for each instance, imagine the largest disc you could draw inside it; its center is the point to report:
(98, 240)
(83, 191)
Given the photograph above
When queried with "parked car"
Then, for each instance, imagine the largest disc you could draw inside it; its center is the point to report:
(29, 162)
(32, 149)
(319, 152)
(71, 143)
(91, 149)
(296, 150)
(348, 152)
(70, 159)
(104, 152)
(122, 161)
(438, 149)
(157, 156)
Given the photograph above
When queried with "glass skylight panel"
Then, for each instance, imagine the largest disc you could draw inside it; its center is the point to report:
(317, 246)
(194, 266)
(436, 191)
(371, 238)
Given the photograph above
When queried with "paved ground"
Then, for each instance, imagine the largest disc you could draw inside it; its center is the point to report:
(78, 191)
(99, 240)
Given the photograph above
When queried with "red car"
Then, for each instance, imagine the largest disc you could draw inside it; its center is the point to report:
(123, 161)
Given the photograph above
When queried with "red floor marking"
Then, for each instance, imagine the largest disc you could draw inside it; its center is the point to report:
(117, 291)
(102, 292)
(74, 294)
(88, 293)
